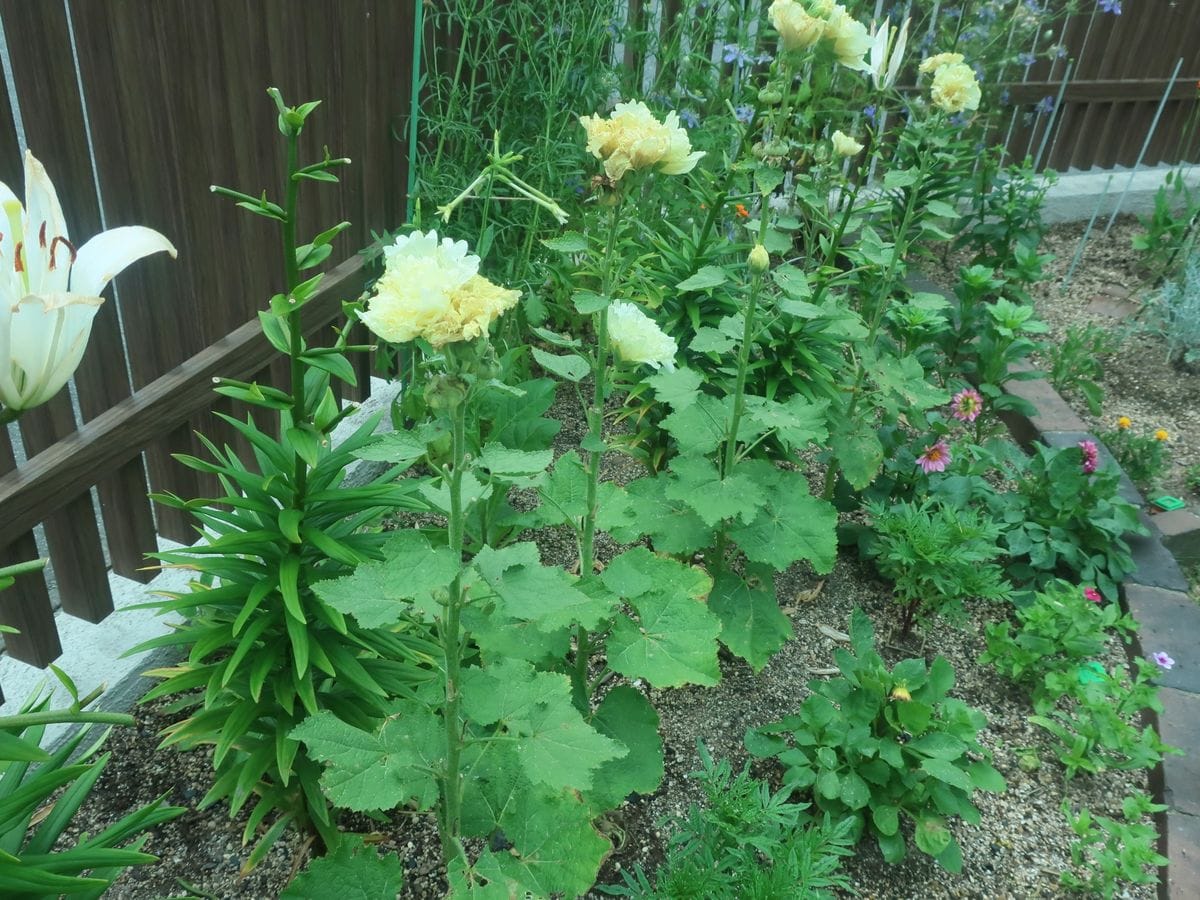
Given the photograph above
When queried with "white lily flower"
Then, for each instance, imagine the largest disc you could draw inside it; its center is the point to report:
(887, 54)
(49, 292)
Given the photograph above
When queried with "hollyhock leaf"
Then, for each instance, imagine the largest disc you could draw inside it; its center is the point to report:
(626, 716)
(352, 871)
(376, 592)
(698, 484)
(793, 527)
(752, 625)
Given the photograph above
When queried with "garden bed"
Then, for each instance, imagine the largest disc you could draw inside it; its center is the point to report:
(1110, 289)
(1019, 850)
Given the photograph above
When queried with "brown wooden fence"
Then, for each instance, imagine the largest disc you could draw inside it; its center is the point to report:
(173, 99)
(1121, 67)
(174, 92)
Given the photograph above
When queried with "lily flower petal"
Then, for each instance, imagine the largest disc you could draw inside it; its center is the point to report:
(44, 223)
(107, 254)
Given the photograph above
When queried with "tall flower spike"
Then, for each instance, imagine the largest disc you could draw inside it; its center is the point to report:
(49, 292)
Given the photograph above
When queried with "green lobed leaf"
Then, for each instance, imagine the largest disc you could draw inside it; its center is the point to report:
(570, 366)
(546, 595)
(556, 851)
(858, 452)
(376, 592)
(554, 745)
(698, 428)
(353, 871)
(398, 447)
(568, 242)
(671, 525)
(377, 770)
(673, 643)
(500, 460)
(677, 387)
(752, 625)
(627, 717)
(793, 527)
(706, 278)
(698, 484)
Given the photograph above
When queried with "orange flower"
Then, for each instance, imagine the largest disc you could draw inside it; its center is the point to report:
(742, 212)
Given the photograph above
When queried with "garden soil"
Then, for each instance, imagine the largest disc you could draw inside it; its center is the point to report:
(1019, 850)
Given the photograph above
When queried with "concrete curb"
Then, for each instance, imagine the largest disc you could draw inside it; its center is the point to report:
(1156, 596)
(1077, 196)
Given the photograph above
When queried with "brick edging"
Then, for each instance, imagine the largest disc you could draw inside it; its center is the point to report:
(1156, 596)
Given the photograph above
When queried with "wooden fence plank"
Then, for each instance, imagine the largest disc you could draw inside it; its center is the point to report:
(26, 605)
(71, 533)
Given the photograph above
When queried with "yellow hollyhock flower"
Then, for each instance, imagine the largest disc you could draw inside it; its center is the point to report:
(638, 339)
(954, 88)
(433, 291)
(937, 61)
(632, 138)
(844, 145)
(797, 29)
(851, 40)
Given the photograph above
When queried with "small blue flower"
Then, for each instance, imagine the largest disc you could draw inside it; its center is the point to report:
(958, 120)
(869, 113)
(979, 73)
(1026, 59)
(1110, 6)
(735, 54)
(689, 118)
(1045, 106)
(1005, 97)
(744, 114)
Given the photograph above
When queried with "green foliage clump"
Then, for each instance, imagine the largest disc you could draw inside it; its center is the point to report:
(1170, 228)
(745, 843)
(937, 555)
(1143, 457)
(1098, 729)
(1108, 853)
(1077, 362)
(1063, 521)
(41, 792)
(1056, 632)
(886, 746)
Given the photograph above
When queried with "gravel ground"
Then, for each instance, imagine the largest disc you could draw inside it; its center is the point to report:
(1017, 852)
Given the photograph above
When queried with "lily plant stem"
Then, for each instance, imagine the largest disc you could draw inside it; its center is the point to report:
(294, 319)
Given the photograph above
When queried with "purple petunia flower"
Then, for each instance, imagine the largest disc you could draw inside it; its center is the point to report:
(1091, 594)
(1162, 660)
